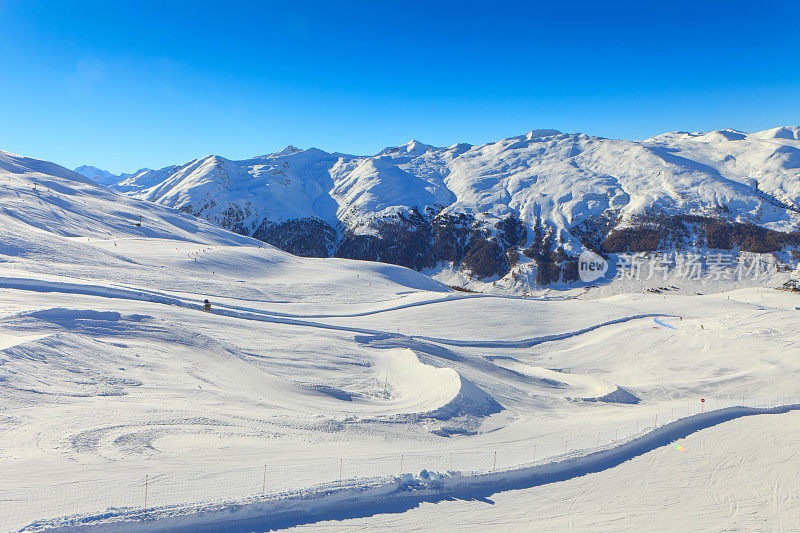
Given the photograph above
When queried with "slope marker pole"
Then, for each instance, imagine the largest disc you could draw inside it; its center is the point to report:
(264, 482)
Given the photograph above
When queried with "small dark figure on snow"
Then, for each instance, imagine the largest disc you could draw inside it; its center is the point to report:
(206, 306)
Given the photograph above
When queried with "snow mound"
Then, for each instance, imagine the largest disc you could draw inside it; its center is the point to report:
(426, 391)
(471, 400)
(56, 352)
(781, 132)
(722, 136)
(620, 395)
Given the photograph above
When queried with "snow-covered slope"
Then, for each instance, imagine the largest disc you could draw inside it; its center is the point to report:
(476, 209)
(114, 382)
(54, 219)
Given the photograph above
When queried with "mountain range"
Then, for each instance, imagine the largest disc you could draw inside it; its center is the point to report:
(524, 206)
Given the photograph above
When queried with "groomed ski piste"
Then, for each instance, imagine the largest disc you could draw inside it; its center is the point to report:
(365, 496)
(325, 393)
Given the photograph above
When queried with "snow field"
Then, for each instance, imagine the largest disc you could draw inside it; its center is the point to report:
(204, 433)
(290, 477)
(741, 475)
(266, 494)
(110, 374)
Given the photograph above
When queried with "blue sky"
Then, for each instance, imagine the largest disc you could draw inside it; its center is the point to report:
(123, 85)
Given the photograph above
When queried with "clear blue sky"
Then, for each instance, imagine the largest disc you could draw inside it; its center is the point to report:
(123, 85)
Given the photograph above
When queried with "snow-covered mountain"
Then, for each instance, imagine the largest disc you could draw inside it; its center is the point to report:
(104, 177)
(523, 205)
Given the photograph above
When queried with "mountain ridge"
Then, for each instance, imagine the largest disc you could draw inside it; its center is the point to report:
(482, 209)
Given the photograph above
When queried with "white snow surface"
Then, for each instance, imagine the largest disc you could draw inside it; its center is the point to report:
(321, 368)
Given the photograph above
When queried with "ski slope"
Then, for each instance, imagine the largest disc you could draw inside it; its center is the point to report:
(110, 371)
(738, 476)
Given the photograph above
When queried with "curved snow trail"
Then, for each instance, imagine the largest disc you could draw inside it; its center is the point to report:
(35, 285)
(364, 497)
(398, 307)
(155, 297)
(147, 295)
(38, 285)
(533, 341)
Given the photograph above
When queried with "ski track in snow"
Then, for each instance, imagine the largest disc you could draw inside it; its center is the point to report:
(528, 343)
(295, 320)
(363, 498)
